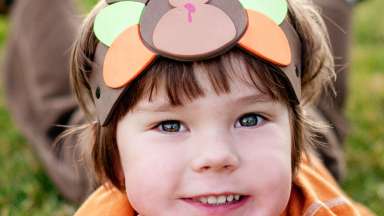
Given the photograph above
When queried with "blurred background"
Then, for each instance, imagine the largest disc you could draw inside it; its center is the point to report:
(26, 190)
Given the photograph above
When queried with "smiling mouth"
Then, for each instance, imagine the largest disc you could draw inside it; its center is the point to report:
(217, 200)
(218, 204)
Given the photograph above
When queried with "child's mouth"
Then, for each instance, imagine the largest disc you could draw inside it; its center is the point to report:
(219, 200)
(218, 204)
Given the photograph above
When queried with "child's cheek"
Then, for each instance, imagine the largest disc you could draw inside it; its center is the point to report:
(277, 184)
(141, 175)
(149, 175)
(267, 159)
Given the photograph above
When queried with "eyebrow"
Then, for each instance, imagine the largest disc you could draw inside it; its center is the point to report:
(166, 107)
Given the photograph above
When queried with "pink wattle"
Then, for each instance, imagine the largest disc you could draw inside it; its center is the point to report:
(191, 9)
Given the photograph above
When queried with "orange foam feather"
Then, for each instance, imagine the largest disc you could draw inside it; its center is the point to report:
(266, 39)
(126, 58)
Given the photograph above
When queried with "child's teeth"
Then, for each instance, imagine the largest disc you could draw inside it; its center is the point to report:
(237, 197)
(230, 198)
(212, 200)
(222, 199)
(204, 200)
(219, 200)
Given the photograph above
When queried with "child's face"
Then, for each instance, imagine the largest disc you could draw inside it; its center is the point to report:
(176, 159)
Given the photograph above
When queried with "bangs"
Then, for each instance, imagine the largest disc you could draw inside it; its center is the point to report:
(180, 79)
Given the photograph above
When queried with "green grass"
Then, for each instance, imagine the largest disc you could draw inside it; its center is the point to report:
(26, 190)
(365, 145)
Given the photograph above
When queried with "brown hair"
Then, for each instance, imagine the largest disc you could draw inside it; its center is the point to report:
(181, 85)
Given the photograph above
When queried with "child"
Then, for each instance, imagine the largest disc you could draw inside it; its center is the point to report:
(199, 108)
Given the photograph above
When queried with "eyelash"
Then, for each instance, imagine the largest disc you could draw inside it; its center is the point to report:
(160, 126)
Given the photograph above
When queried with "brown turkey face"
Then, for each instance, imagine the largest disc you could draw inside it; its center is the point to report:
(190, 30)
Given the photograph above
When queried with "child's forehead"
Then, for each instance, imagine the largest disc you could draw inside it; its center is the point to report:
(232, 67)
(241, 90)
(235, 71)
(160, 103)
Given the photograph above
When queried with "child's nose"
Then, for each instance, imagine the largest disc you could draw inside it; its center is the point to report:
(216, 163)
(219, 157)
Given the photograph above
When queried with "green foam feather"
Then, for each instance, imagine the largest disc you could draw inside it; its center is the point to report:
(274, 9)
(114, 19)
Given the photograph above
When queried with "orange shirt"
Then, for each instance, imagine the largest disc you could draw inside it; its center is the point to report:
(314, 193)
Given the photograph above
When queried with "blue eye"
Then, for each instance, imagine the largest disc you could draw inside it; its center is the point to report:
(249, 120)
(171, 126)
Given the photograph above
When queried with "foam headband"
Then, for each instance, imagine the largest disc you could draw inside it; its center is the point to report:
(133, 33)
